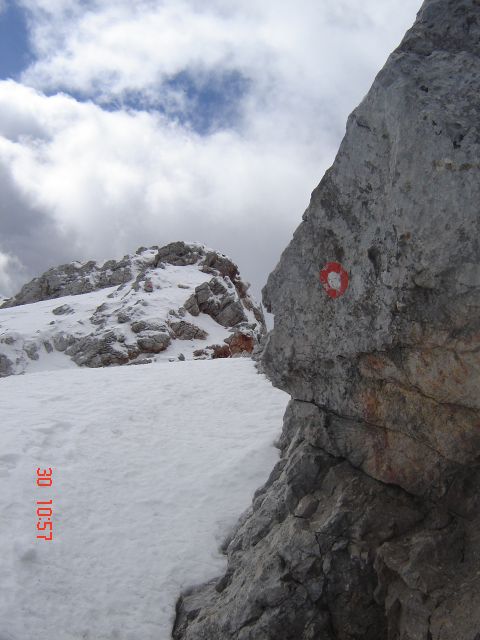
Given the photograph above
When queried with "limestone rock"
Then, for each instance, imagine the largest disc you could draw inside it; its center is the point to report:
(137, 318)
(179, 254)
(187, 331)
(98, 351)
(62, 310)
(148, 325)
(31, 349)
(6, 366)
(152, 342)
(72, 279)
(48, 346)
(191, 305)
(368, 526)
(215, 299)
(62, 340)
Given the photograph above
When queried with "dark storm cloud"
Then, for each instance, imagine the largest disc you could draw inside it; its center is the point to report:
(29, 240)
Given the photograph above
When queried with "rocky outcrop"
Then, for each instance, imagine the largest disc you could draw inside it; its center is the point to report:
(187, 331)
(218, 299)
(177, 292)
(368, 526)
(73, 279)
(241, 342)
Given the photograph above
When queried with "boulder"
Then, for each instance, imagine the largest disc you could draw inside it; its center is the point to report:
(191, 305)
(62, 340)
(31, 349)
(152, 342)
(186, 331)
(215, 299)
(240, 342)
(6, 366)
(62, 310)
(151, 324)
(179, 254)
(98, 350)
(219, 351)
(124, 317)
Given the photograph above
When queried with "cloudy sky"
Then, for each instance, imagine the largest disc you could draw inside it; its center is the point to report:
(138, 122)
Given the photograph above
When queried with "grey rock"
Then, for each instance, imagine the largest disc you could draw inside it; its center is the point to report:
(6, 366)
(48, 346)
(203, 293)
(214, 299)
(368, 525)
(62, 340)
(219, 263)
(191, 305)
(98, 351)
(187, 331)
(218, 287)
(123, 317)
(152, 324)
(154, 342)
(72, 279)
(31, 349)
(178, 253)
(231, 314)
(64, 309)
(141, 361)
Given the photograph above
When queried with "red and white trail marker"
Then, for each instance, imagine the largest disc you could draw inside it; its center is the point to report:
(334, 279)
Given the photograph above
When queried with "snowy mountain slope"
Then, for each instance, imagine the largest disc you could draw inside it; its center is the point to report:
(180, 301)
(151, 466)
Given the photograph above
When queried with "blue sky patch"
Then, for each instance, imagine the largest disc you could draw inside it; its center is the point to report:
(207, 100)
(210, 100)
(15, 53)
(213, 100)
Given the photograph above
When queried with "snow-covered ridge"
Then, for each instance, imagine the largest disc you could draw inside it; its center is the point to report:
(181, 301)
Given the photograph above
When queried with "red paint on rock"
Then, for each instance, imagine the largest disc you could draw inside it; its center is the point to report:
(334, 268)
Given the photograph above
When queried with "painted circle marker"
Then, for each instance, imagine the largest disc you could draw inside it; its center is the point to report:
(334, 279)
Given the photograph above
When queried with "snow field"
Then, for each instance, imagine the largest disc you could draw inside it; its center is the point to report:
(152, 465)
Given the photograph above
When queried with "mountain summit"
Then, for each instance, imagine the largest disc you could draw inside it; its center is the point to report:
(181, 301)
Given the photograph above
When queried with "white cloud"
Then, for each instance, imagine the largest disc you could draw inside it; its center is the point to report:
(11, 273)
(113, 181)
(109, 181)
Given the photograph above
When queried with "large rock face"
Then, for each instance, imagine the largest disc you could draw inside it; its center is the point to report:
(369, 527)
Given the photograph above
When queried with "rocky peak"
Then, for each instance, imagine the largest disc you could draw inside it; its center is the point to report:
(368, 526)
(83, 277)
(179, 301)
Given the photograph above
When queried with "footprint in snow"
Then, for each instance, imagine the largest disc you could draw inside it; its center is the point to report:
(54, 434)
(8, 461)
